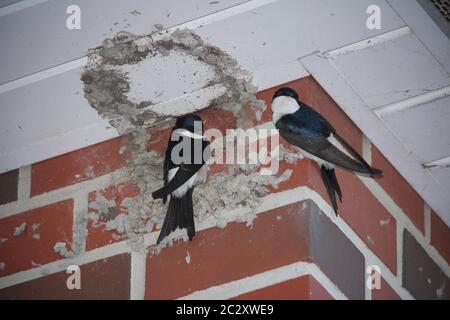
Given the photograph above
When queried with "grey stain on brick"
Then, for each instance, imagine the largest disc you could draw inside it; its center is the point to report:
(336, 255)
(421, 276)
(8, 186)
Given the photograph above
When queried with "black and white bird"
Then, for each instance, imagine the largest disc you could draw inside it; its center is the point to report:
(184, 167)
(303, 127)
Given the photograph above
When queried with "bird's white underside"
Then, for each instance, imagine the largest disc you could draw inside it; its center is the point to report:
(181, 191)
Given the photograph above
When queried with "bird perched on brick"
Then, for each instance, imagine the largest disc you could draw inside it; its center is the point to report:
(303, 127)
(184, 167)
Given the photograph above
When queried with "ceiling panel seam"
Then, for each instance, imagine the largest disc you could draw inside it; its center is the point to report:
(19, 5)
(412, 102)
(369, 42)
(80, 62)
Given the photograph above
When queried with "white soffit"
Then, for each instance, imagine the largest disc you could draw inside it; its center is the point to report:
(43, 112)
(396, 87)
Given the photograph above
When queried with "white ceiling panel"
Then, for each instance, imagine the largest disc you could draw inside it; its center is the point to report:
(396, 88)
(36, 37)
(393, 70)
(424, 129)
(33, 116)
(282, 32)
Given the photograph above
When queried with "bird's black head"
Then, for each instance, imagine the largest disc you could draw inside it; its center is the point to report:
(190, 122)
(285, 91)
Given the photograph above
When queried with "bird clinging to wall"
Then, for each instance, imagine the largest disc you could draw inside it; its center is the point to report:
(184, 167)
(302, 126)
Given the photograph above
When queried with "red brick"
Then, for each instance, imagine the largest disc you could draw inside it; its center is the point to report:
(222, 255)
(217, 118)
(8, 186)
(98, 236)
(359, 208)
(54, 224)
(302, 288)
(303, 174)
(80, 165)
(249, 116)
(385, 292)
(103, 279)
(216, 168)
(336, 255)
(159, 140)
(317, 292)
(422, 277)
(399, 190)
(440, 236)
(368, 218)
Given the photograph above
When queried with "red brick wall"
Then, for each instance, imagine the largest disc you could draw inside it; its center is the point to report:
(295, 249)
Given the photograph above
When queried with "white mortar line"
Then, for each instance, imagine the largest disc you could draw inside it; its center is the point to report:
(80, 222)
(366, 149)
(19, 5)
(248, 284)
(265, 279)
(371, 262)
(403, 219)
(370, 42)
(427, 222)
(137, 277)
(60, 265)
(325, 282)
(368, 291)
(63, 193)
(269, 202)
(24, 183)
(390, 278)
(412, 102)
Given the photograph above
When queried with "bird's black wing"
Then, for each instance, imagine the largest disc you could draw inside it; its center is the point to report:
(167, 165)
(184, 173)
(372, 171)
(316, 143)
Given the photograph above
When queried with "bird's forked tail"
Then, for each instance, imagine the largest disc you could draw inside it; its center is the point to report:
(180, 214)
(331, 184)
